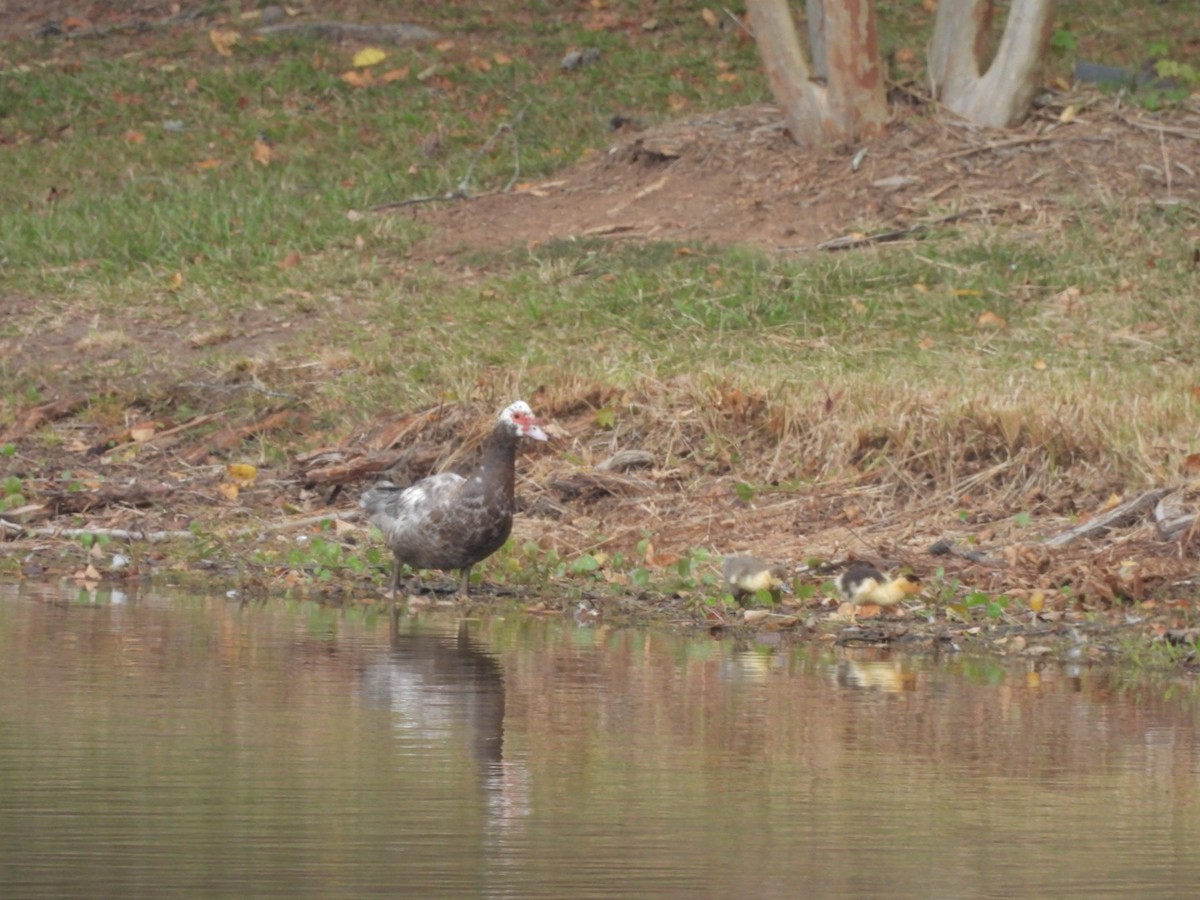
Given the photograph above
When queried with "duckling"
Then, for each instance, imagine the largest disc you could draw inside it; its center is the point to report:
(864, 584)
(745, 575)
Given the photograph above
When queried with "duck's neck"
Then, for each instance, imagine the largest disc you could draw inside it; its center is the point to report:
(499, 455)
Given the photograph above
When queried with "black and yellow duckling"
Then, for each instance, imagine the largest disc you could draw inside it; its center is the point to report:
(746, 575)
(863, 584)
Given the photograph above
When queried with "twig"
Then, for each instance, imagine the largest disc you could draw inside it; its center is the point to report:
(241, 386)
(463, 192)
(848, 241)
(984, 148)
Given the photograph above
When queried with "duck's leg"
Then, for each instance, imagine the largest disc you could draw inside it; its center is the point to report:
(395, 576)
(464, 588)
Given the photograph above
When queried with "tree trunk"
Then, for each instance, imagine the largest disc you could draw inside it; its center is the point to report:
(852, 105)
(1001, 96)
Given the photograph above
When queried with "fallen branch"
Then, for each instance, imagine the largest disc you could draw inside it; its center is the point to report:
(1124, 514)
(399, 34)
(121, 534)
(46, 412)
(848, 241)
(234, 435)
(984, 148)
(1173, 517)
(69, 502)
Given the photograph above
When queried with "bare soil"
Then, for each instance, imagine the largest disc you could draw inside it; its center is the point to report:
(726, 178)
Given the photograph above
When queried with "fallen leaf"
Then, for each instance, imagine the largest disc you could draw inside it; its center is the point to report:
(1040, 365)
(261, 152)
(223, 40)
(290, 261)
(709, 17)
(208, 164)
(142, 433)
(926, 343)
(368, 56)
(1069, 114)
(501, 59)
(988, 319)
(242, 472)
(228, 490)
(358, 79)
(443, 46)
(394, 75)
(175, 282)
(1067, 298)
(1191, 464)
(1037, 601)
(753, 616)
(134, 137)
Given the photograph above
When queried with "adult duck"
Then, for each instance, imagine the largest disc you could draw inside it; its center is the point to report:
(450, 522)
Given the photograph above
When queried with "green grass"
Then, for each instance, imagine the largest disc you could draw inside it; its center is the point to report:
(134, 210)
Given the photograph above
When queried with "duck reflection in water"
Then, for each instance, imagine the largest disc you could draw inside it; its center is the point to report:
(439, 685)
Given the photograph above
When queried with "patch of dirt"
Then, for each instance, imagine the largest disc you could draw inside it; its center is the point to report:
(736, 177)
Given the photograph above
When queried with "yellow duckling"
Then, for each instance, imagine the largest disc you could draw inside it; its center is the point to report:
(745, 575)
(863, 584)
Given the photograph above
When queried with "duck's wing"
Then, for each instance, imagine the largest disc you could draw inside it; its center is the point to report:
(390, 507)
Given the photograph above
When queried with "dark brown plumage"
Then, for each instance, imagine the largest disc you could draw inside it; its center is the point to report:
(447, 521)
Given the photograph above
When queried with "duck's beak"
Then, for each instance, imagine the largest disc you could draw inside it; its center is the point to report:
(533, 430)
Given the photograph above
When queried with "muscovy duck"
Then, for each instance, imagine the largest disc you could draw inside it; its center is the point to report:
(447, 521)
(745, 575)
(863, 584)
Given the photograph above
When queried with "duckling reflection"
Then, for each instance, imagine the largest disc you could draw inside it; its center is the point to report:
(887, 675)
(437, 685)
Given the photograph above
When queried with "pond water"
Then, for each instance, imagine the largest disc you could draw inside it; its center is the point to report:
(170, 744)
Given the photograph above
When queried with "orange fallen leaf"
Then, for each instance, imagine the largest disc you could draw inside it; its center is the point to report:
(142, 433)
(501, 59)
(175, 282)
(358, 79)
(1040, 365)
(443, 46)
(1191, 464)
(261, 152)
(290, 261)
(709, 17)
(208, 164)
(394, 75)
(228, 490)
(926, 343)
(134, 137)
(988, 319)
